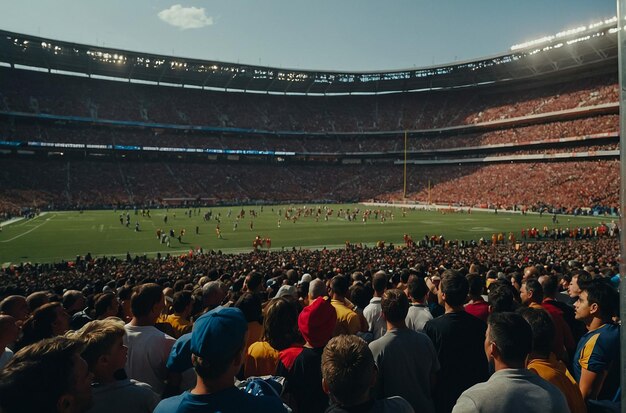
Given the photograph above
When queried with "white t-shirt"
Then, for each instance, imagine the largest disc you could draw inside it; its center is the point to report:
(417, 317)
(373, 313)
(148, 350)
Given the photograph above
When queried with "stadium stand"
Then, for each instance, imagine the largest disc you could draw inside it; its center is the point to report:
(556, 130)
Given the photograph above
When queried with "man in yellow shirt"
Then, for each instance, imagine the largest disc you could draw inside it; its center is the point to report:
(545, 364)
(347, 319)
(179, 321)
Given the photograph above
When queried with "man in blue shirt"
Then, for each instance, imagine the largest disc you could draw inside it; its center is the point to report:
(217, 346)
(596, 361)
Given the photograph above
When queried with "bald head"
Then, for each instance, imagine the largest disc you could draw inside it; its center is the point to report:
(530, 272)
(37, 299)
(74, 301)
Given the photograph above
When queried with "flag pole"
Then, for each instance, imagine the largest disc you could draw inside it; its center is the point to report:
(405, 149)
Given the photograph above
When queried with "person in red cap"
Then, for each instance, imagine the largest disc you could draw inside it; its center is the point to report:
(301, 365)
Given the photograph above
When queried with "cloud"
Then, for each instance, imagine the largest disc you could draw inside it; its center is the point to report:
(185, 17)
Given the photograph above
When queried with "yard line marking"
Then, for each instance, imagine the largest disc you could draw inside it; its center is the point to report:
(10, 221)
(25, 221)
(29, 231)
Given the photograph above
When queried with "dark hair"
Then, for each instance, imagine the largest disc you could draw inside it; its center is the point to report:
(39, 325)
(347, 366)
(181, 300)
(254, 281)
(550, 285)
(604, 295)
(404, 275)
(455, 286)
(339, 284)
(542, 327)
(379, 281)
(517, 276)
(417, 288)
(583, 278)
(395, 305)
(125, 292)
(179, 285)
(102, 303)
(250, 306)
(43, 371)
(359, 295)
(532, 285)
(476, 284)
(280, 324)
(501, 297)
(144, 298)
(512, 335)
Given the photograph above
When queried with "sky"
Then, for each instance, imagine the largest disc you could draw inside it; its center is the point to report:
(342, 35)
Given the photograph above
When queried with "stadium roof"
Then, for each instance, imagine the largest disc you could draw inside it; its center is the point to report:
(593, 47)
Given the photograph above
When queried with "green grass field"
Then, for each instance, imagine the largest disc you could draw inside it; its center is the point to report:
(54, 236)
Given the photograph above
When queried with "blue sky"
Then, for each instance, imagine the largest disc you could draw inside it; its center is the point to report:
(355, 35)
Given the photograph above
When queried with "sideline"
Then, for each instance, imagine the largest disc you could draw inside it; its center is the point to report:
(29, 231)
(437, 207)
(11, 221)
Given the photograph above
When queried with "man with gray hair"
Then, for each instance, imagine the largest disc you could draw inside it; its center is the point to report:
(213, 294)
(317, 288)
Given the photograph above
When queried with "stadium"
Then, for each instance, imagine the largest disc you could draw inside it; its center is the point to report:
(547, 114)
(123, 169)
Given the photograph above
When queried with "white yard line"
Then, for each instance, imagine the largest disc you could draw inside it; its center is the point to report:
(11, 221)
(29, 231)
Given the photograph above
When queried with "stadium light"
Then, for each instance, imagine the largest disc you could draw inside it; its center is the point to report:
(572, 31)
(566, 33)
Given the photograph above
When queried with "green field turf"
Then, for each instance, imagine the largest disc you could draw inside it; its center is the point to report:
(55, 236)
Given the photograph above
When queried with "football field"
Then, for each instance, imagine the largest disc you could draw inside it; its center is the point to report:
(55, 236)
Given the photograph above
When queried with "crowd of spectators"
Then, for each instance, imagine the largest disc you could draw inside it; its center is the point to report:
(56, 184)
(123, 326)
(60, 183)
(87, 134)
(34, 92)
(562, 185)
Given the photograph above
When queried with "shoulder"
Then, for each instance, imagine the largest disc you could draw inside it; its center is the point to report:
(466, 403)
(260, 348)
(370, 309)
(554, 394)
(392, 404)
(601, 341)
(288, 356)
(169, 405)
(261, 404)
(379, 344)
(610, 333)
